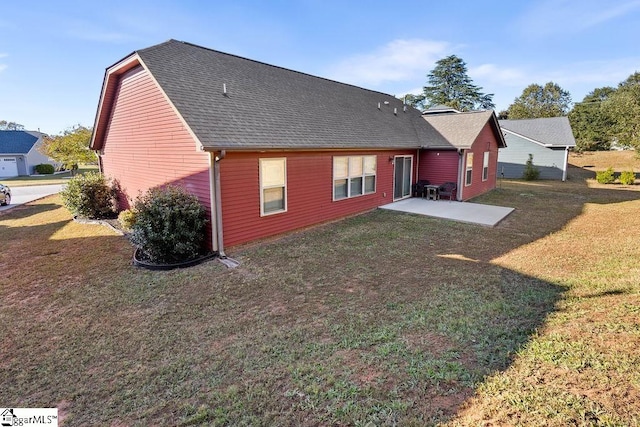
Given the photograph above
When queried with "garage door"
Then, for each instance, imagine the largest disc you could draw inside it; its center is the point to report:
(8, 167)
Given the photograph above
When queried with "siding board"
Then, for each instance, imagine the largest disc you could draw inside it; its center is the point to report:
(512, 160)
(439, 166)
(146, 144)
(309, 192)
(486, 141)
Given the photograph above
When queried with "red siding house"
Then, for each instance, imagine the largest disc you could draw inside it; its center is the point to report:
(470, 157)
(269, 150)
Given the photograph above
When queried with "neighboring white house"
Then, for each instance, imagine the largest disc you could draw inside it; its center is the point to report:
(19, 153)
(547, 139)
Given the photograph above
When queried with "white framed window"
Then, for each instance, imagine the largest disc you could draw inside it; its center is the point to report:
(468, 169)
(485, 166)
(353, 176)
(273, 186)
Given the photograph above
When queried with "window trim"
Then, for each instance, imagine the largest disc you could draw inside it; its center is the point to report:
(262, 187)
(485, 166)
(349, 177)
(468, 177)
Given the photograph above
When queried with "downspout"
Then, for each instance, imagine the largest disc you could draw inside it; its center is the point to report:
(417, 166)
(218, 235)
(461, 173)
(566, 164)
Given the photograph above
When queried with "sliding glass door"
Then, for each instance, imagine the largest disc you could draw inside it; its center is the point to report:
(403, 165)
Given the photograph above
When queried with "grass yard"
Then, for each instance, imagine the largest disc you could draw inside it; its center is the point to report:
(58, 178)
(627, 160)
(380, 319)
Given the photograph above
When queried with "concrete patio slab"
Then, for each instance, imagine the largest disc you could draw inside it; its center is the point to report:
(473, 213)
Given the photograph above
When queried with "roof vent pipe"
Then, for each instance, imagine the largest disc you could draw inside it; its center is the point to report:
(378, 105)
(395, 111)
(224, 89)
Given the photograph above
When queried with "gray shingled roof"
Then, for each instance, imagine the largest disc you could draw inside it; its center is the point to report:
(552, 131)
(269, 107)
(17, 141)
(459, 129)
(440, 109)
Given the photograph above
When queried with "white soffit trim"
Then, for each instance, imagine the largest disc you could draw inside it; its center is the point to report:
(529, 139)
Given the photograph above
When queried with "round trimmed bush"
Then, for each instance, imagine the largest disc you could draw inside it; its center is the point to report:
(627, 178)
(45, 169)
(605, 176)
(89, 196)
(169, 225)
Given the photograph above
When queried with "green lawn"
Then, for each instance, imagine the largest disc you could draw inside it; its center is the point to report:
(58, 178)
(380, 319)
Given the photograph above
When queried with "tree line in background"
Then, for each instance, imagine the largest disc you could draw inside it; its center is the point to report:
(605, 116)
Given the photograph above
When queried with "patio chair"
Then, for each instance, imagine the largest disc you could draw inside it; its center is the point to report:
(418, 188)
(448, 189)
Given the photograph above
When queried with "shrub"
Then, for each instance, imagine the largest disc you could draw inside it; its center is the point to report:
(127, 218)
(89, 196)
(45, 169)
(531, 173)
(627, 178)
(169, 225)
(605, 177)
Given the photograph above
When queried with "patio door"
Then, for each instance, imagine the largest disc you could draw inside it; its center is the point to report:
(402, 168)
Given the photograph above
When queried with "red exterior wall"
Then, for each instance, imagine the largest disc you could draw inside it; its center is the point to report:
(309, 192)
(146, 144)
(439, 167)
(486, 141)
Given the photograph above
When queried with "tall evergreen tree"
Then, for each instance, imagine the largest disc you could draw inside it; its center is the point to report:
(450, 85)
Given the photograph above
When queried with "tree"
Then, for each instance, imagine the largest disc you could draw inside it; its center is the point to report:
(5, 125)
(416, 101)
(70, 148)
(590, 121)
(450, 85)
(537, 101)
(623, 109)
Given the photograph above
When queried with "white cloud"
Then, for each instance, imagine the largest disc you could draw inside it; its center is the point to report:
(396, 61)
(551, 17)
(494, 74)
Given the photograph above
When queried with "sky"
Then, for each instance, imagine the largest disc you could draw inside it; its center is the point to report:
(53, 53)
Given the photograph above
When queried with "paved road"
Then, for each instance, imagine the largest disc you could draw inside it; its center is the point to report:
(21, 195)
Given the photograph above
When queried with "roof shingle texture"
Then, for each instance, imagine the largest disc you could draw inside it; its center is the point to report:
(16, 141)
(553, 131)
(459, 129)
(269, 107)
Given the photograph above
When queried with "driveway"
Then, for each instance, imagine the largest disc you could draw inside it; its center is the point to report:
(22, 195)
